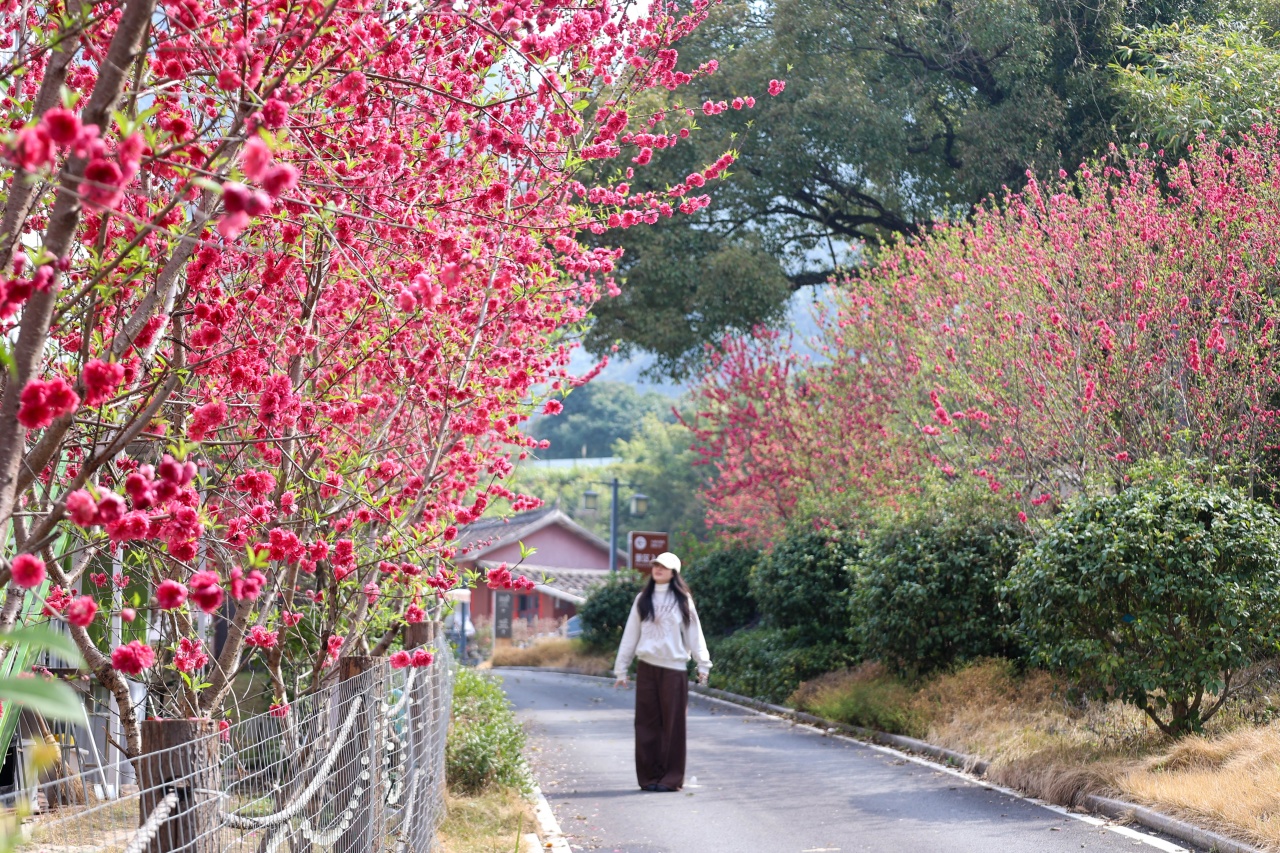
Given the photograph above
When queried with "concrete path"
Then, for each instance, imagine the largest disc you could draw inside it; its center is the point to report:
(756, 784)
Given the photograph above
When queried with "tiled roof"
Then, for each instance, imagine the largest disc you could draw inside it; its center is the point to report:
(487, 533)
(487, 530)
(578, 582)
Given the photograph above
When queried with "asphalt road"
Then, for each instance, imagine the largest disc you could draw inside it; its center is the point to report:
(759, 784)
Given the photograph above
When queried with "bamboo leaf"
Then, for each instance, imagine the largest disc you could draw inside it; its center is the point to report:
(41, 638)
(49, 698)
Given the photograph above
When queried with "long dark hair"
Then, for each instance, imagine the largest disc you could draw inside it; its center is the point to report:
(679, 589)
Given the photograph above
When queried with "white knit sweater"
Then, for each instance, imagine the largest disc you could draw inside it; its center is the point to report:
(664, 640)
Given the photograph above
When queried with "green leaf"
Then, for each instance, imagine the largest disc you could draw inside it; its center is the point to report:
(41, 638)
(207, 184)
(49, 698)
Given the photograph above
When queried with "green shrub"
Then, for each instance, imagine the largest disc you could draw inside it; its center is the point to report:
(769, 664)
(604, 614)
(485, 745)
(927, 593)
(803, 586)
(1158, 596)
(721, 588)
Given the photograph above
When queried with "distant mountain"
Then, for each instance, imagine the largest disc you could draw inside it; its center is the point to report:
(628, 371)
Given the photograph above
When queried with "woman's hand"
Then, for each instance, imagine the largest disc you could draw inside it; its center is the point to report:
(620, 682)
(702, 679)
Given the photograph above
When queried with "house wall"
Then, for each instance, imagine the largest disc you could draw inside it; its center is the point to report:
(555, 547)
(481, 596)
(545, 607)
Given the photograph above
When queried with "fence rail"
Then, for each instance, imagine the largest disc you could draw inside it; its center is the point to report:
(356, 767)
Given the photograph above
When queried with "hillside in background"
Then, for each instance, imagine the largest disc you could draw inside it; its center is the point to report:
(639, 370)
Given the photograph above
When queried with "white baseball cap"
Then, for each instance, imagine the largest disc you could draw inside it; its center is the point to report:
(668, 560)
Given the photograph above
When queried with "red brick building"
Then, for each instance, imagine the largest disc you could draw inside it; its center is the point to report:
(569, 557)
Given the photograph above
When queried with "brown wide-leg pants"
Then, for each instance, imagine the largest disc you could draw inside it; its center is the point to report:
(662, 704)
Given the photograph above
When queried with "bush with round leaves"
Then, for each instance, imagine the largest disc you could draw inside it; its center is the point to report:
(769, 664)
(720, 583)
(927, 594)
(604, 614)
(1160, 596)
(803, 585)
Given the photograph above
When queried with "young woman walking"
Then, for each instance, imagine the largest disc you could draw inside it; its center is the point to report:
(664, 633)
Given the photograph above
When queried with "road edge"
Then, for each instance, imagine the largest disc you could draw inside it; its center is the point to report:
(1182, 830)
(549, 833)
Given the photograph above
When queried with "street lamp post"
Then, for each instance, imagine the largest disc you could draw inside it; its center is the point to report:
(639, 507)
(613, 528)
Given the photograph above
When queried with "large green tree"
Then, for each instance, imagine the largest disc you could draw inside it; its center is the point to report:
(661, 462)
(1185, 79)
(896, 114)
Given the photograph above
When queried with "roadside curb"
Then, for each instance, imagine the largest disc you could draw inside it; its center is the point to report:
(1106, 806)
(1179, 829)
(549, 833)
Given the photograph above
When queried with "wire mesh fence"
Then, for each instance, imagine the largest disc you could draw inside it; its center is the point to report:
(353, 768)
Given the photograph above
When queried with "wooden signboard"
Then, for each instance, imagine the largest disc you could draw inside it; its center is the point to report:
(503, 607)
(643, 546)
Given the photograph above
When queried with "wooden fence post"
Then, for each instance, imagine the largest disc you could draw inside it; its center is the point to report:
(360, 759)
(419, 634)
(181, 756)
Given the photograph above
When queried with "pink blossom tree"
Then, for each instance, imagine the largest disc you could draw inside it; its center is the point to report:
(1078, 327)
(1040, 349)
(794, 442)
(278, 285)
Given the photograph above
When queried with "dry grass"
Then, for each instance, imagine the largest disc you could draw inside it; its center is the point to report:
(555, 652)
(486, 823)
(1045, 744)
(1231, 782)
(1035, 738)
